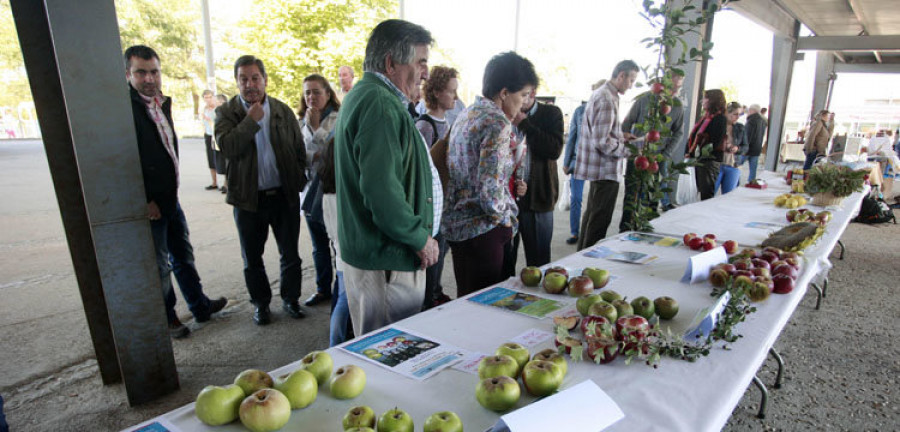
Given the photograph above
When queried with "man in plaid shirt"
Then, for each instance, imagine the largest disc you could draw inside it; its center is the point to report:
(601, 152)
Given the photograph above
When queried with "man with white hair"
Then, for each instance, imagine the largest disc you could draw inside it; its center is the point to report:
(755, 131)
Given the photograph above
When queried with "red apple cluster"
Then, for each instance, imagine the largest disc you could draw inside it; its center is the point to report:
(771, 270)
(708, 242)
(603, 341)
(643, 163)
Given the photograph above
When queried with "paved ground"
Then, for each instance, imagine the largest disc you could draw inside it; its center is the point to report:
(842, 360)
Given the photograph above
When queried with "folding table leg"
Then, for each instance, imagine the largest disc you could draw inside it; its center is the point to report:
(841, 244)
(819, 294)
(780, 361)
(824, 287)
(765, 397)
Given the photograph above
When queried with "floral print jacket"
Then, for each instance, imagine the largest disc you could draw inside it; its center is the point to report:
(478, 198)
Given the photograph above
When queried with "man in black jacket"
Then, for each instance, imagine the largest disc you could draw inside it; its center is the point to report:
(755, 131)
(158, 147)
(261, 138)
(542, 126)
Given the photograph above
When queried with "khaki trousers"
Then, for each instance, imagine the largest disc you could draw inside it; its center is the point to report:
(381, 297)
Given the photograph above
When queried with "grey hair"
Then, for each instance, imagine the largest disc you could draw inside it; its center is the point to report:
(396, 38)
(754, 108)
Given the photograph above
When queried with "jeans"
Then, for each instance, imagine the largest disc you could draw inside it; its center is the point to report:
(810, 160)
(754, 161)
(4, 427)
(729, 178)
(340, 316)
(321, 253)
(665, 201)
(433, 274)
(272, 210)
(174, 253)
(576, 187)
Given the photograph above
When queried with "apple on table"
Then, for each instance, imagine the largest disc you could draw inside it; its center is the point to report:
(444, 421)
(219, 405)
(348, 382)
(359, 416)
(265, 410)
(395, 420)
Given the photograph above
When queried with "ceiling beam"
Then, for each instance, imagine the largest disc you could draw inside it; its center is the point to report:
(774, 19)
(857, 12)
(839, 56)
(849, 43)
(888, 68)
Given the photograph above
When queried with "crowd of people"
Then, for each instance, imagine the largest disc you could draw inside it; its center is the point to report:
(393, 171)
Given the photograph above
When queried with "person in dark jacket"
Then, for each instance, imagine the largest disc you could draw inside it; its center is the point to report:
(706, 143)
(755, 132)
(542, 126)
(266, 172)
(158, 148)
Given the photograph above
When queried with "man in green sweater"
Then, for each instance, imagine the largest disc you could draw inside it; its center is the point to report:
(389, 194)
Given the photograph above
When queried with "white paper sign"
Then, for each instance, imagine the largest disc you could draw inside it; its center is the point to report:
(705, 320)
(584, 406)
(469, 362)
(532, 337)
(699, 265)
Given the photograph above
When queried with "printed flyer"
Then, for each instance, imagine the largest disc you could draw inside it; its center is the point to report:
(519, 302)
(405, 353)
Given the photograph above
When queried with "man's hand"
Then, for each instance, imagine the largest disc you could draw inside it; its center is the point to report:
(256, 112)
(629, 136)
(429, 254)
(153, 211)
(566, 171)
(521, 188)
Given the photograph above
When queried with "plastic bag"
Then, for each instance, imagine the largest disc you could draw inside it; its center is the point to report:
(687, 188)
(565, 196)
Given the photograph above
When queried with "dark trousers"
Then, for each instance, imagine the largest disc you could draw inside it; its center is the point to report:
(598, 212)
(810, 160)
(706, 175)
(253, 230)
(321, 253)
(4, 427)
(478, 262)
(632, 188)
(174, 254)
(536, 233)
(433, 274)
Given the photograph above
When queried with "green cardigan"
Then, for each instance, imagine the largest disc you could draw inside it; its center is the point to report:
(383, 176)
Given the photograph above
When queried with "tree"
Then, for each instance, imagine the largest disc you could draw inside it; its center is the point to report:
(296, 38)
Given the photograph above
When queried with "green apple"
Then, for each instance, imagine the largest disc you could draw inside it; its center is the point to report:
(320, 364)
(666, 307)
(541, 378)
(299, 386)
(265, 410)
(610, 296)
(553, 356)
(252, 380)
(359, 416)
(395, 420)
(623, 308)
(643, 307)
(599, 276)
(219, 405)
(555, 283)
(498, 394)
(517, 352)
(348, 382)
(604, 309)
(444, 421)
(497, 365)
(584, 302)
(531, 276)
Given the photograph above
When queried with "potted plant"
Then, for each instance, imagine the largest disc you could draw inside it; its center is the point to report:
(829, 183)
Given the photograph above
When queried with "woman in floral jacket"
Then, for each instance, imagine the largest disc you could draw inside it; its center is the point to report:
(480, 211)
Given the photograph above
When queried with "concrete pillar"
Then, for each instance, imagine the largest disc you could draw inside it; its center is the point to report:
(784, 49)
(208, 48)
(81, 57)
(823, 83)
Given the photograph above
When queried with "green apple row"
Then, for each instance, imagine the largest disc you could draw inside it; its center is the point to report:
(362, 418)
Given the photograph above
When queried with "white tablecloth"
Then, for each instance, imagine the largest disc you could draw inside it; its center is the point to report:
(678, 396)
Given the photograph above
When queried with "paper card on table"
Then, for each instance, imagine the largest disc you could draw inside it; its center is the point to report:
(699, 265)
(469, 362)
(764, 225)
(156, 425)
(515, 301)
(706, 319)
(405, 352)
(584, 408)
(654, 239)
(629, 257)
(532, 337)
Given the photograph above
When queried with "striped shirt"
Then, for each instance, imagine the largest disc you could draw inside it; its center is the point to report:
(601, 148)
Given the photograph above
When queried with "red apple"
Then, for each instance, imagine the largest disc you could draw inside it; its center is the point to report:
(745, 273)
(600, 325)
(654, 167)
(773, 249)
(783, 283)
(759, 262)
(657, 88)
(641, 163)
(731, 247)
(632, 325)
(718, 278)
(580, 286)
(761, 272)
(665, 108)
(602, 349)
(687, 238)
(652, 136)
(696, 243)
(709, 245)
(557, 269)
(567, 343)
(793, 262)
(769, 256)
(709, 236)
(748, 253)
(743, 264)
(728, 267)
(785, 269)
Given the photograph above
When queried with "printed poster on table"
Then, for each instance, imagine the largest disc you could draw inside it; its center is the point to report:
(624, 256)
(519, 302)
(654, 239)
(406, 353)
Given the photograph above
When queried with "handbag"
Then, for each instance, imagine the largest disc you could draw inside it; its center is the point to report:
(687, 188)
(439, 158)
(565, 197)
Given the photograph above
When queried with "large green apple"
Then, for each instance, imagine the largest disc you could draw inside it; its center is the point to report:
(252, 380)
(219, 405)
(610, 296)
(444, 421)
(531, 276)
(604, 309)
(666, 307)
(517, 352)
(498, 365)
(299, 386)
(265, 410)
(555, 283)
(623, 308)
(585, 302)
(541, 378)
(320, 364)
(359, 416)
(395, 420)
(599, 276)
(643, 307)
(553, 356)
(498, 394)
(348, 382)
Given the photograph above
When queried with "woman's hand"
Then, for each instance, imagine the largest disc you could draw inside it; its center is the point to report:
(313, 118)
(521, 188)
